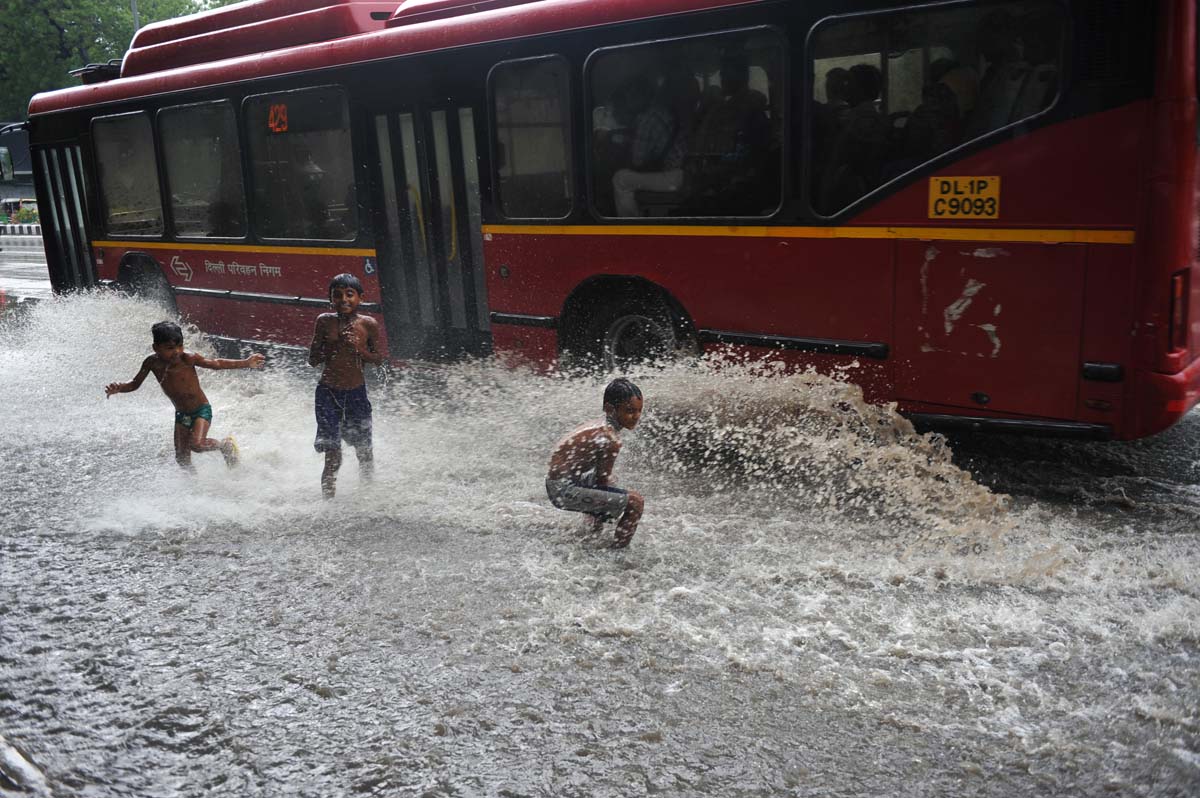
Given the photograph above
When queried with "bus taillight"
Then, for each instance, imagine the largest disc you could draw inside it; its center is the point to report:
(1179, 327)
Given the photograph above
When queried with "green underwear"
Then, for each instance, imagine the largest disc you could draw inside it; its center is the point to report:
(188, 419)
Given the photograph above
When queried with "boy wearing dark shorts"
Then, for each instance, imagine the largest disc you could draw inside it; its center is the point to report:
(342, 341)
(580, 475)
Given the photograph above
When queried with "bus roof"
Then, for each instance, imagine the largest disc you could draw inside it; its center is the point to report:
(264, 38)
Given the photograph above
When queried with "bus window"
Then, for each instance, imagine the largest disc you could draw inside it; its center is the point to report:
(203, 170)
(691, 127)
(531, 105)
(302, 166)
(892, 92)
(128, 175)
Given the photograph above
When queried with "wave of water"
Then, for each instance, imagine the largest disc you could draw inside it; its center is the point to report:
(815, 590)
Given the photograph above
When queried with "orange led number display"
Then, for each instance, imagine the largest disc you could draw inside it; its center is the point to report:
(277, 119)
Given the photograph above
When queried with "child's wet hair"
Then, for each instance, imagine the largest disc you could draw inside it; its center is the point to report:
(167, 332)
(620, 391)
(345, 280)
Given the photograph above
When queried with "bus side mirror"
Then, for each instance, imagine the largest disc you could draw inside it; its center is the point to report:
(6, 165)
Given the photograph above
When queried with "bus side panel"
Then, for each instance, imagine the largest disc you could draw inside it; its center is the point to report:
(1108, 319)
(266, 322)
(286, 324)
(275, 272)
(995, 327)
(775, 286)
(1078, 173)
(213, 314)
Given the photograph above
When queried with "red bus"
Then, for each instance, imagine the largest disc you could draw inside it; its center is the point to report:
(989, 206)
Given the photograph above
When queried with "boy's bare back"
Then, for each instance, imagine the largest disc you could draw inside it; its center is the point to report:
(592, 447)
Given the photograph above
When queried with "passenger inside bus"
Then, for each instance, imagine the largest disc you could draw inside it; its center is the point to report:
(829, 117)
(720, 140)
(616, 126)
(727, 151)
(951, 75)
(999, 46)
(857, 152)
(659, 144)
(1041, 32)
(935, 125)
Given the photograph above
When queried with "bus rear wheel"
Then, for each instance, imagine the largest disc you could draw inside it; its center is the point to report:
(631, 333)
(148, 282)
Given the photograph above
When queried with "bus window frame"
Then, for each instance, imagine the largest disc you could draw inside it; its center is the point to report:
(493, 140)
(961, 150)
(362, 228)
(786, 109)
(102, 205)
(165, 178)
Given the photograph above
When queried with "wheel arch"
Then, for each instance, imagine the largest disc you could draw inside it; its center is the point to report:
(602, 291)
(141, 274)
(136, 264)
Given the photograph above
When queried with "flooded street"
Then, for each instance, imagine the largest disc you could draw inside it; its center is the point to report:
(819, 602)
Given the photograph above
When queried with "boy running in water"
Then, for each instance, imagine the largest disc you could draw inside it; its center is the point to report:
(580, 476)
(175, 371)
(342, 342)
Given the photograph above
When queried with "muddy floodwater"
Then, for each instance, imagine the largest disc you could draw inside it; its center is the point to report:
(819, 602)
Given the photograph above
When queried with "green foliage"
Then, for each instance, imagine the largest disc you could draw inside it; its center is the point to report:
(26, 216)
(44, 39)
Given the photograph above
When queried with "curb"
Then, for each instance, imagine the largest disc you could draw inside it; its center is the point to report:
(20, 229)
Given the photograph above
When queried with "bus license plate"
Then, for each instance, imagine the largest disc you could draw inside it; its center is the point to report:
(975, 197)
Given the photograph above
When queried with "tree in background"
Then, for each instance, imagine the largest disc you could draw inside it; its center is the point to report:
(42, 40)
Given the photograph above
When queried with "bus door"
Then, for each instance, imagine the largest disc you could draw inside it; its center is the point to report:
(431, 247)
(62, 213)
(990, 326)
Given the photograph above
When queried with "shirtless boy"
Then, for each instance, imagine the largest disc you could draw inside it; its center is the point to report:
(580, 476)
(175, 371)
(342, 342)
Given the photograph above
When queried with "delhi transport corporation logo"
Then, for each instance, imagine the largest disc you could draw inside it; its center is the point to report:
(181, 268)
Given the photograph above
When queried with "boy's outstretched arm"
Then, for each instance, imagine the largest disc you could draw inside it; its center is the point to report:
(255, 361)
(132, 385)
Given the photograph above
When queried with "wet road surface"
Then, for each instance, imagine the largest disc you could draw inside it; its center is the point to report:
(819, 602)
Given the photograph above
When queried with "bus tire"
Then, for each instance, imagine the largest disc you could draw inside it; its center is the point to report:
(631, 331)
(146, 280)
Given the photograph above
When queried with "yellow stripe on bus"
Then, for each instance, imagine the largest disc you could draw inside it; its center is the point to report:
(1009, 234)
(187, 245)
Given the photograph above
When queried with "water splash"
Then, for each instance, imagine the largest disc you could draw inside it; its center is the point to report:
(807, 562)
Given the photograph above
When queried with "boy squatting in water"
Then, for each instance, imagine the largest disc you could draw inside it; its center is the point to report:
(175, 371)
(342, 342)
(580, 475)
